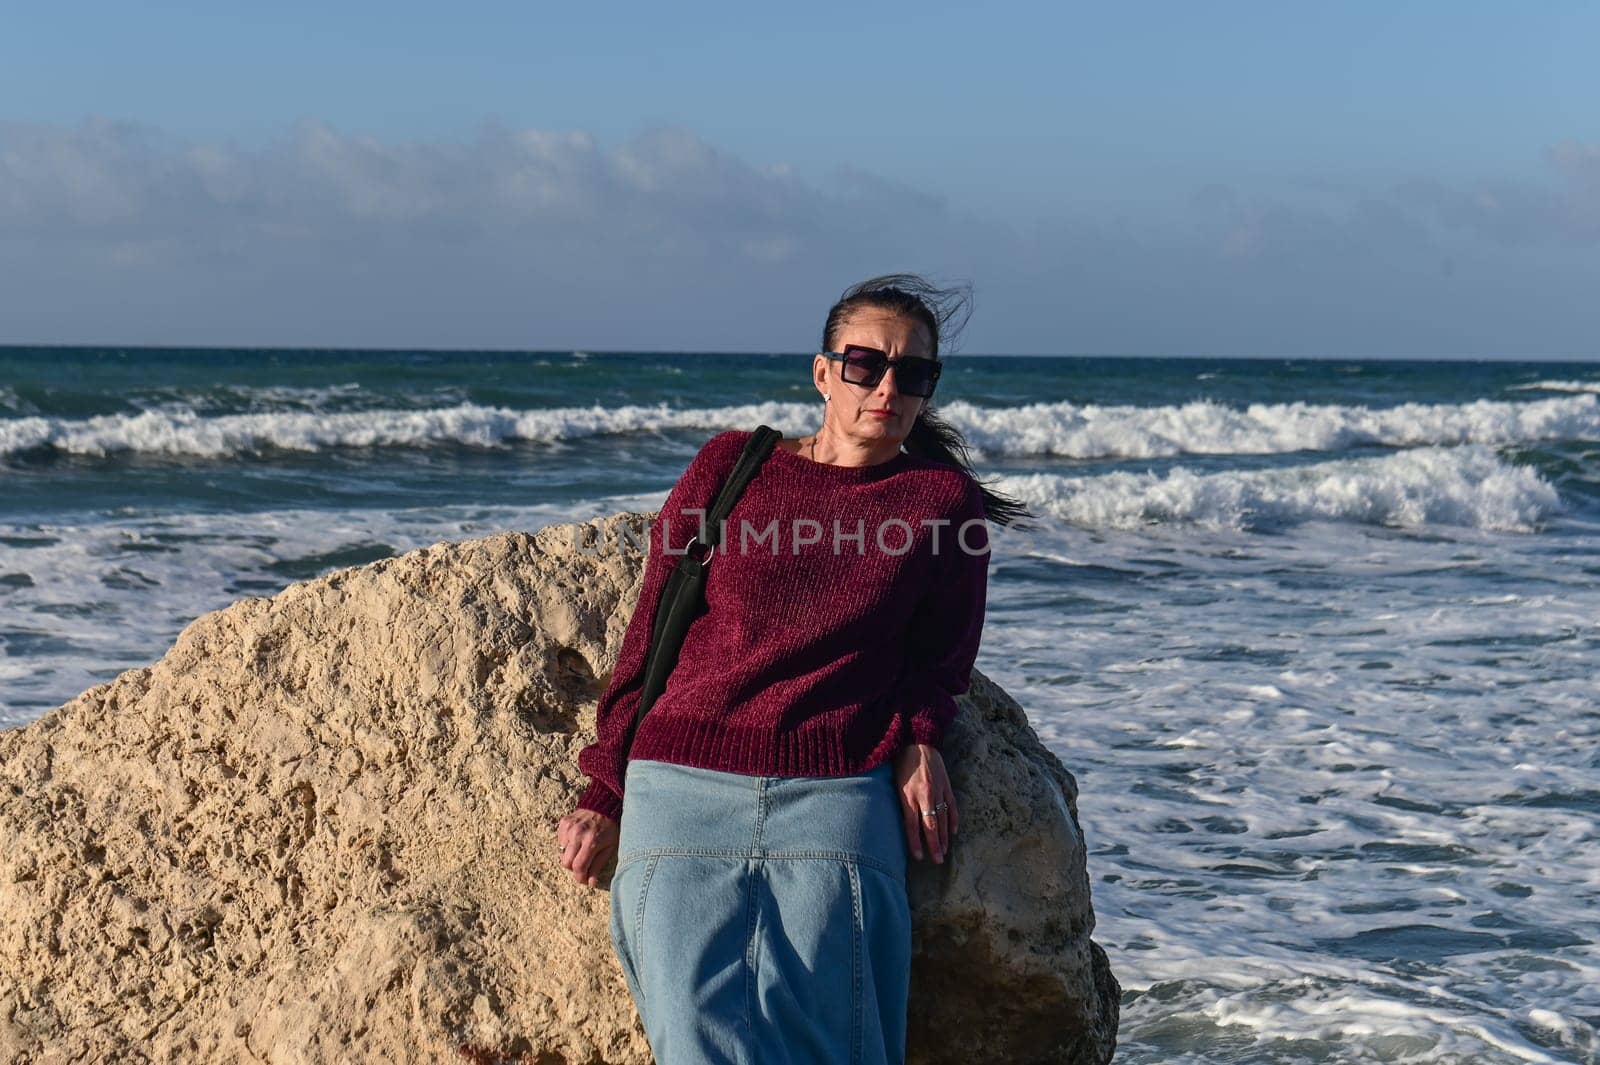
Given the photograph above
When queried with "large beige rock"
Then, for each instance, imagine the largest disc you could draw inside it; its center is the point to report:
(322, 829)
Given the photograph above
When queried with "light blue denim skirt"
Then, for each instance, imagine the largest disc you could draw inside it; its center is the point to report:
(763, 920)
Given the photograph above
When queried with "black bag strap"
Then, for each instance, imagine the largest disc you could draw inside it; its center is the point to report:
(755, 452)
(683, 597)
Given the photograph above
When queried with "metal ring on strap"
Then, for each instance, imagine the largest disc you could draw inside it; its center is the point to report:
(711, 549)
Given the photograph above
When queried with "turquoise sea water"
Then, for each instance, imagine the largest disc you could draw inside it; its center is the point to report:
(1317, 638)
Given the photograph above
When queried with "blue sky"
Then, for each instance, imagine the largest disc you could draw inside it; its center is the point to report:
(1340, 179)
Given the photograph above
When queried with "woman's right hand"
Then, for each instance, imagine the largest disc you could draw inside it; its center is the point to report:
(588, 841)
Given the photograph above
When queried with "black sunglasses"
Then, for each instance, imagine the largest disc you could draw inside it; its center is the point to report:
(866, 366)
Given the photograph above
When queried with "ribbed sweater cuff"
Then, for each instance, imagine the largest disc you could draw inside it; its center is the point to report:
(926, 730)
(601, 800)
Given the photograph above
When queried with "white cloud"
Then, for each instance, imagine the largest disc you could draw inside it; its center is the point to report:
(1559, 206)
(118, 232)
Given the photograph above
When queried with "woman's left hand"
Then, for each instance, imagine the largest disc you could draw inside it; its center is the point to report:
(924, 785)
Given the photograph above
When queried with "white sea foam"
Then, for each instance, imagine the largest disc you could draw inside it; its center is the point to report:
(265, 398)
(1206, 427)
(1557, 386)
(1338, 793)
(1083, 431)
(1465, 486)
(179, 432)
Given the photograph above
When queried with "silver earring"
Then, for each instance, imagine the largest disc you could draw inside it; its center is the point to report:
(826, 397)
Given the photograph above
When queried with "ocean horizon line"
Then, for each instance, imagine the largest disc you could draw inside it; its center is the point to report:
(1501, 359)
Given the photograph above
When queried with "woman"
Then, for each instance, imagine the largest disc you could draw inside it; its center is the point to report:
(758, 905)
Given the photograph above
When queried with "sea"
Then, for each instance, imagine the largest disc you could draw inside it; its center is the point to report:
(1319, 639)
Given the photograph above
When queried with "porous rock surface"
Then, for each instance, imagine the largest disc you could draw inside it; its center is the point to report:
(322, 829)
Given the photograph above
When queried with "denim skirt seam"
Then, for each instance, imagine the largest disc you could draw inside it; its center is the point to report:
(751, 955)
(638, 910)
(858, 927)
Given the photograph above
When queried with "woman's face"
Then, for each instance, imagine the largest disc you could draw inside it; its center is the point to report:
(854, 409)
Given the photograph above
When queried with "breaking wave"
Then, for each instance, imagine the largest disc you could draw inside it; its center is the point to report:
(1466, 486)
(1069, 430)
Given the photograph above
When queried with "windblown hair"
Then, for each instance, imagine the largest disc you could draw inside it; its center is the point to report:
(944, 313)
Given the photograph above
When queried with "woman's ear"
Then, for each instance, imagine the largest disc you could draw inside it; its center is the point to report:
(819, 375)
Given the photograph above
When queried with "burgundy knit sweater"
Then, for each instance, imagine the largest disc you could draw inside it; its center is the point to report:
(844, 610)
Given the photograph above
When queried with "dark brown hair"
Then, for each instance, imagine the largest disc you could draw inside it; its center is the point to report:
(943, 312)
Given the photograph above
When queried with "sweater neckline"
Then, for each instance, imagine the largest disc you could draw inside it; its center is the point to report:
(833, 472)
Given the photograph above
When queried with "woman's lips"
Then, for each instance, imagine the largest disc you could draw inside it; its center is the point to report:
(881, 413)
